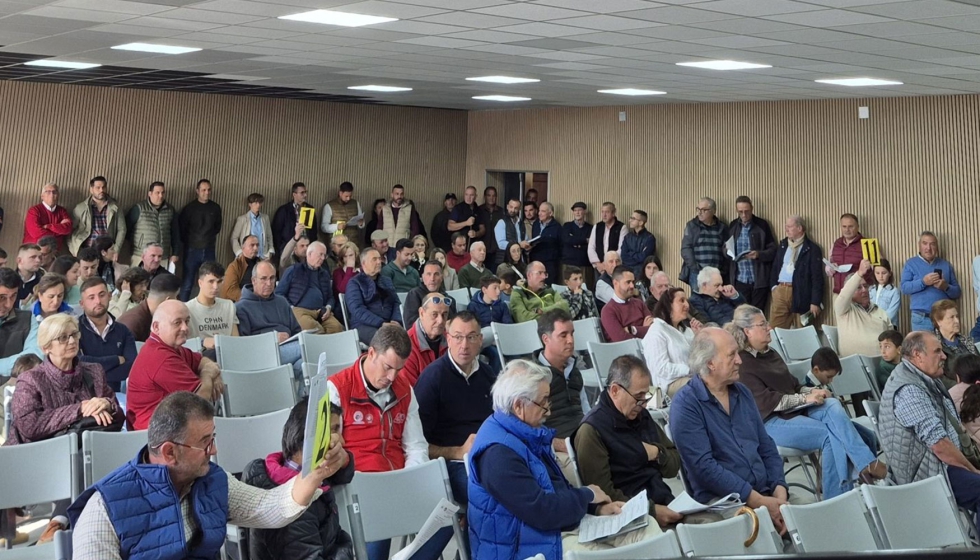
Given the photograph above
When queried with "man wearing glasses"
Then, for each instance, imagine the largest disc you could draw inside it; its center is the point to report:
(620, 447)
(428, 334)
(704, 243)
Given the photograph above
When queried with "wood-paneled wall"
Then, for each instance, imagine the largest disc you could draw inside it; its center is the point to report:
(69, 134)
(912, 166)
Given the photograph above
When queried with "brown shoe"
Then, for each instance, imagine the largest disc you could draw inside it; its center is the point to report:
(57, 523)
(874, 472)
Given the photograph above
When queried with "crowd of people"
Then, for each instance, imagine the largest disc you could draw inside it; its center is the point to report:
(430, 384)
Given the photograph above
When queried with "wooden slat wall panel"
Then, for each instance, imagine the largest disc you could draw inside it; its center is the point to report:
(911, 166)
(68, 134)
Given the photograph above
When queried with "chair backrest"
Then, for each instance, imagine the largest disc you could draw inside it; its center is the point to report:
(727, 538)
(574, 459)
(872, 408)
(559, 288)
(799, 370)
(39, 472)
(662, 546)
(248, 439)
(194, 344)
(8, 415)
(310, 370)
(249, 393)
(62, 545)
(853, 377)
(776, 345)
(833, 337)
(104, 452)
(461, 297)
(340, 347)
(586, 331)
(799, 344)
(603, 354)
(402, 296)
(871, 370)
(139, 346)
(917, 515)
(516, 339)
(247, 353)
(343, 309)
(840, 524)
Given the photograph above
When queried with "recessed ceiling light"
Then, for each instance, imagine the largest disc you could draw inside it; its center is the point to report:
(503, 79)
(856, 82)
(724, 65)
(154, 48)
(382, 89)
(500, 98)
(632, 91)
(62, 64)
(330, 17)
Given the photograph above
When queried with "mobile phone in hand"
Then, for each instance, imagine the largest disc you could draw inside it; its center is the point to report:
(939, 272)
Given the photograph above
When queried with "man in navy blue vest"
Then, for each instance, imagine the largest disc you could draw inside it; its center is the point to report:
(172, 502)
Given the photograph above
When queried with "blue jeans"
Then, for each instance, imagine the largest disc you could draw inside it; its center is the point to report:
(921, 322)
(193, 259)
(290, 353)
(966, 489)
(432, 550)
(825, 427)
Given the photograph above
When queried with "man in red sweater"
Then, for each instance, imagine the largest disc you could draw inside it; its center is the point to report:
(428, 336)
(625, 316)
(47, 218)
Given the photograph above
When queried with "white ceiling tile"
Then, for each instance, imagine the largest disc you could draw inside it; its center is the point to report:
(139, 30)
(252, 49)
(544, 29)
(388, 9)
(245, 7)
(532, 12)
(22, 23)
(962, 23)
(890, 29)
(755, 8)
(208, 16)
(445, 42)
(325, 39)
(676, 15)
(810, 35)
(256, 32)
(77, 14)
(370, 34)
(828, 18)
(167, 23)
(920, 9)
(747, 26)
(420, 27)
(616, 39)
(850, 3)
(491, 36)
(472, 19)
(508, 49)
(567, 56)
(118, 6)
(602, 22)
(455, 4)
(600, 7)
(738, 42)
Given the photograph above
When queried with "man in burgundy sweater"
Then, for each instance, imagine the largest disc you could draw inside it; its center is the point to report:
(47, 218)
(625, 316)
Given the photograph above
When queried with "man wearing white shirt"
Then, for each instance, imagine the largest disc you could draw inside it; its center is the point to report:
(343, 213)
(608, 240)
(508, 230)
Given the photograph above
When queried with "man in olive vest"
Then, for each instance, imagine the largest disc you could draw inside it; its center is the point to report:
(399, 218)
(343, 213)
(154, 221)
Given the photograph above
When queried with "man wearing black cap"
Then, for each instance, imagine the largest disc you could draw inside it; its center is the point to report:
(441, 237)
(575, 243)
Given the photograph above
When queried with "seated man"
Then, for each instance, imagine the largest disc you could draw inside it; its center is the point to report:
(620, 447)
(603, 286)
(428, 335)
(472, 272)
(625, 316)
(164, 366)
(295, 249)
(918, 424)
(535, 297)
(261, 311)
(211, 315)
(140, 318)
(431, 283)
(381, 417)
(458, 257)
(104, 341)
(29, 269)
(399, 270)
(557, 333)
(723, 443)
(18, 330)
(193, 499)
(713, 301)
(379, 241)
(151, 258)
(859, 320)
(659, 284)
(371, 298)
(308, 287)
(239, 272)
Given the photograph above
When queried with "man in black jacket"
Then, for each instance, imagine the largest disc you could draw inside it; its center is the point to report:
(200, 224)
(441, 236)
(546, 242)
(750, 273)
(796, 278)
(287, 216)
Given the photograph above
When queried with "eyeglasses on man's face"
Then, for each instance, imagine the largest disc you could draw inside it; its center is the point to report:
(641, 399)
(208, 449)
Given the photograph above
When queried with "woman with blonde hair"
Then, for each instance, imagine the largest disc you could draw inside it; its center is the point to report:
(449, 279)
(420, 246)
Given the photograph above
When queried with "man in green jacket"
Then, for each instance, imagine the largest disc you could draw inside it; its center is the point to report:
(535, 297)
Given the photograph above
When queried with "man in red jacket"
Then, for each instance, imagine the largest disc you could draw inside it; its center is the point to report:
(428, 335)
(47, 218)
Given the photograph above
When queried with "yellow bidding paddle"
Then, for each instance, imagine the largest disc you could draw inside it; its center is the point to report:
(322, 441)
(306, 217)
(871, 251)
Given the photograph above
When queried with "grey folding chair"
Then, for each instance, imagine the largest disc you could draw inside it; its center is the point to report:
(852, 379)
(461, 297)
(340, 347)
(662, 546)
(104, 452)
(248, 439)
(778, 347)
(194, 344)
(8, 416)
(402, 296)
(516, 339)
(574, 459)
(586, 331)
(603, 354)
(343, 309)
(833, 337)
(62, 545)
(247, 353)
(870, 364)
(921, 514)
(841, 524)
(139, 346)
(559, 288)
(258, 392)
(799, 344)
(727, 538)
(310, 370)
(806, 461)
(799, 369)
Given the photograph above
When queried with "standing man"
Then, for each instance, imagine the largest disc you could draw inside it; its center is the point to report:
(750, 274)
(489, 214)
(926, 279)
(399, 218)
(104, 341)
(286, 218)
(530, 216)
(466, 218)
(703, 243)
(47, 218)
(200, 224)
(638, 244)
(508, 230)
(343, 214)
(797, 283)
(154, 221)
(575, 243)
(210, 314)
(97, 215)
(441, 236)
(547, 248)
(847, 250)
(604, 237)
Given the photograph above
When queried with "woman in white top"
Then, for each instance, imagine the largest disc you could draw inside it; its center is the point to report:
(668, 341)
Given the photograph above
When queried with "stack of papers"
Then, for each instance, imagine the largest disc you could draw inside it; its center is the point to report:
(730, 249)
(685, 504)
(595, 527)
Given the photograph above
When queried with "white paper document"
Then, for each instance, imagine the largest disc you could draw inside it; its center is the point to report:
(685, 504)
(296, 336)
(730, 250)
(842, 268)
(440, 517)
(595, 527)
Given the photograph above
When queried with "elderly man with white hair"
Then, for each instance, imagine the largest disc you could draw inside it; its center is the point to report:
(797, 278)
(471, 273)
(713, 301)
(520, 504)
(546, 242)
(604, 290)
(659, 284)
(308, 287)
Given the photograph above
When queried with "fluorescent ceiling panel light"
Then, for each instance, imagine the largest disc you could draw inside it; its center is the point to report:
(503, 80)
(632, 91)
(48, 63)
(500, 98)
(724, 65)
(154, 48)
(382, 89)
(330, 17)
(859, 82)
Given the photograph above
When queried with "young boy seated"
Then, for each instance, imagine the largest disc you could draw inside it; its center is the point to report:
(824, 367)
(507, 282)
(966, 367)
(890, 345)
(581, 302)
(489, 307)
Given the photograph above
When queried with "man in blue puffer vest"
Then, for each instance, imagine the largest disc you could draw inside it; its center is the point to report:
(171, 502)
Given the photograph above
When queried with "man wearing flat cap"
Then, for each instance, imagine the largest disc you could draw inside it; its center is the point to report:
(575, 243)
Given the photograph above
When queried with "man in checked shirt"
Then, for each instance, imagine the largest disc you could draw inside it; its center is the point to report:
(171, 502)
